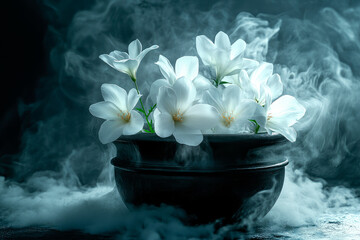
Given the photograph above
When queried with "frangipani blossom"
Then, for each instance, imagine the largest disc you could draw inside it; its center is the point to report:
(177, 115)
(185, 67)
(226, 59)
(117, 110)
(261, 82)
(282, 114)
(127, 63)
(234, 112)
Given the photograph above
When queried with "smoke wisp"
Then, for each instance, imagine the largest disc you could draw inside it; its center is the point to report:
(63, 174)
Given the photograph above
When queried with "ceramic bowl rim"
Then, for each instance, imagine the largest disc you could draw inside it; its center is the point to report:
(152, 137)
(125, 166)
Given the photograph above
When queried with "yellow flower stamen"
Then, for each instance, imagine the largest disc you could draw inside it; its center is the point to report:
(177, 117)
(125, 116)
(227, 119)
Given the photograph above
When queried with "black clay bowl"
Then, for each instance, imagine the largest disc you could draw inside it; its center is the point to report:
(223, 178)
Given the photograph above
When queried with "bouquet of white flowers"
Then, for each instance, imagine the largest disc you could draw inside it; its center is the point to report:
(240, 95)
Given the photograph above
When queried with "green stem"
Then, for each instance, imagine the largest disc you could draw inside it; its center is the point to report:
(257, 126)
(217, 81)
(147, 114)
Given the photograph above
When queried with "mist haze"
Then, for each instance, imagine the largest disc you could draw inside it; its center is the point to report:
(60, 175)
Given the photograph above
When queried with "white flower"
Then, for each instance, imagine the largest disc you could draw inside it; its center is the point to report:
(262, 82)
(127, 63)
(234, 111)
(117, 110)
(282, 114)
(185, 67)
(177, 115)
(226, 59)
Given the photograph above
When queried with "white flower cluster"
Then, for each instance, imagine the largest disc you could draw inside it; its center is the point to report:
(241, 96)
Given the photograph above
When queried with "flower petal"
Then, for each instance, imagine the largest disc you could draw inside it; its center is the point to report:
(105, 110)
(288, 132)
(119, 55)
(275, 85)
(285, 111)
(222, 63)
(267, 97)
(249, 63)
(185, 93)
(132, 99)
(167, 100)
(231, 69)
(164, 124)
(241, 125)
(238, 63)
(143, 53)
(245, 109)
(128, 66)
(246, 86)
(166, 69)
(108, 59)
(134, 48)
(115, 94)
(262, 73)
(155, 87)
(201, 116)
(135, 124)
(233, 79)
(237, 49)
(188, 136)
(110, 130)
(222, 129)
(259, 114)
(188, 67)
(205, 48)
(231, 98)
(202, 83)
(222, 41)
(263, 95)
(214, 98)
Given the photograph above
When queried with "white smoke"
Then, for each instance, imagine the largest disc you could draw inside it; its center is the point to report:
(64, 178)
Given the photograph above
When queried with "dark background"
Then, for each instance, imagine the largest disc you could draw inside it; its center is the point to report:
(24, 61)
(24, 57)
(37, 36)
(27, 40)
